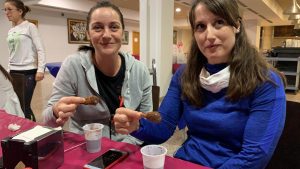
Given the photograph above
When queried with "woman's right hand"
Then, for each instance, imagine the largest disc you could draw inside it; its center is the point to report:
(126, 121)
(65, 108)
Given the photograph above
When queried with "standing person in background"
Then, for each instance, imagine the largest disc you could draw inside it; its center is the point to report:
(27, 55)
(9, 101)
(103, 71)
(232, 100)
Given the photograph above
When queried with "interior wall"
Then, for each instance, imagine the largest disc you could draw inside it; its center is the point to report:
(130, 27)
(277, 41)
(267, 36)
(52, 27)
(5, 25)
(186, 39)
(253, 32)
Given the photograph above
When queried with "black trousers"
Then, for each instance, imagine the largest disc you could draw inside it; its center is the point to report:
(24, 84)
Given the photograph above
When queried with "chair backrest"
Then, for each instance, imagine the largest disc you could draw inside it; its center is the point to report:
(155, 88)
(155, 97)
(287, 152)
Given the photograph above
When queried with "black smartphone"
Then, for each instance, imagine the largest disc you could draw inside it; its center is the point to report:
(107, 159)
(1, 163)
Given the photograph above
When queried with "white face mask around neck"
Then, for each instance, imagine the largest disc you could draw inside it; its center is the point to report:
(215, 82)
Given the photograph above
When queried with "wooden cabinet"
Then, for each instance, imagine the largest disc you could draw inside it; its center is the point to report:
(286, 31)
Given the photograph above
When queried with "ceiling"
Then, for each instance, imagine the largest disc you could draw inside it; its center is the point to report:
(264, 12)
(134, 5)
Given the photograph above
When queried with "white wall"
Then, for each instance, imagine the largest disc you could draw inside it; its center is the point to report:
(52, 27)
(267, 36)
(5, 25)
(253, 32)
(186, 40)
(130, 27)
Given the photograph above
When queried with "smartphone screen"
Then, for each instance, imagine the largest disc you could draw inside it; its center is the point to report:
(107, 160)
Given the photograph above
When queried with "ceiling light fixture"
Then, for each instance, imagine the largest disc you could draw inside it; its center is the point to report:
(294, 17)
(293, 9)
(296, 22)
(178, 9)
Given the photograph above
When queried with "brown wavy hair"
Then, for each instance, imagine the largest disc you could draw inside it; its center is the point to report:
(248, 68)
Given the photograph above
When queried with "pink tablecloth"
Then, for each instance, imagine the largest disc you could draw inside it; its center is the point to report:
(77, 157)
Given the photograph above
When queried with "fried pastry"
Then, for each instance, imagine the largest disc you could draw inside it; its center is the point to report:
(152, 116)
(91, 100)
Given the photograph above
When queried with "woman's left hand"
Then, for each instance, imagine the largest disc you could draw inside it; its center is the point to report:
(39, 76)
(126, 121)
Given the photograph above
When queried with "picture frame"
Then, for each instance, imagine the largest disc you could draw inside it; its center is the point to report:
(125, 38)
(77, 33)
(36, 22)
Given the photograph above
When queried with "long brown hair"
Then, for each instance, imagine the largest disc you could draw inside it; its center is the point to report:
(248, 68)
(5, 73)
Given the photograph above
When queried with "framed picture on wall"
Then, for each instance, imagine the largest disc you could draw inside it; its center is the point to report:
(77, 31)
(36, 22)
(125, 38)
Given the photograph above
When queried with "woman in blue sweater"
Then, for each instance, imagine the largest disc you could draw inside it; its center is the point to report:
(232, 101)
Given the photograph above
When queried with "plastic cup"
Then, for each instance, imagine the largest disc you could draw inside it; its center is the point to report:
(93, 135)
(154, 156)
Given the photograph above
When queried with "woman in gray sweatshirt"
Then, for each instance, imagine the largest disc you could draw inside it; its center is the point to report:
(100, 70)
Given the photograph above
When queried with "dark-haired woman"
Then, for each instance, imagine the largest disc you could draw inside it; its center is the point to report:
(9, 101)
(27, 55)
(101, 70)
(232, 100)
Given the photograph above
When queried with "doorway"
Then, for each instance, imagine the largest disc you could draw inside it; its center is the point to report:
(136, 43)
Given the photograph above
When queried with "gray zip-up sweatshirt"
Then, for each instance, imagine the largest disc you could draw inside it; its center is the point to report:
(76, 77)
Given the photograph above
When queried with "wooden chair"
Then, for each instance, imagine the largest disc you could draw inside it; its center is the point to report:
(155, 88)
(287, 152)
(155, 97)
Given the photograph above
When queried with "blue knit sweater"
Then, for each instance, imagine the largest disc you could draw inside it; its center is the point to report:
(222, 134)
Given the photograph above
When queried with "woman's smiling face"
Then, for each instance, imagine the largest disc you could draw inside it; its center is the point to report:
(105, 31)
(214, 37)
